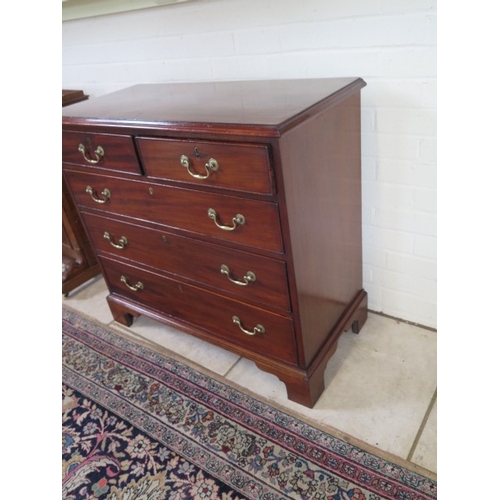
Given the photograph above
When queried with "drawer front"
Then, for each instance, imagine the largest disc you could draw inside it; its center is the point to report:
(242, 167)
(182, 208)
(256, 279)
(205, 310)
(110, 152)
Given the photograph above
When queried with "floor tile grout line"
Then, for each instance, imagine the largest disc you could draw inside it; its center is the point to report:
(401, 320)
(422, 426)
(231, 367)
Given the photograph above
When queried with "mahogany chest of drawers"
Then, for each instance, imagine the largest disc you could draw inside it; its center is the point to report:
(229, 210)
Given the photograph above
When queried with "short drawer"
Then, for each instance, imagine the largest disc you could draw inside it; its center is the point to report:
(241, 167)
(110, 152)
(248, 222)
(266, 333)
(243, 275)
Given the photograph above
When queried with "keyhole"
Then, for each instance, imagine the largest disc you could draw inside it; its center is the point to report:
(196, 152)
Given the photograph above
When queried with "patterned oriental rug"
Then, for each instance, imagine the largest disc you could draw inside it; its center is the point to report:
(140, 425)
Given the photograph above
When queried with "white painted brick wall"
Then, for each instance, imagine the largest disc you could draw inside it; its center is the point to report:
(391, 44)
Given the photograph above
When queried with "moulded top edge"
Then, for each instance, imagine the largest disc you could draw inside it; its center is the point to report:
(256, 107)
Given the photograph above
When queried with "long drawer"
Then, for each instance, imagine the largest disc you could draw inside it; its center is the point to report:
(247, 276)
(241, 167)
(266, 333)
(252, 223)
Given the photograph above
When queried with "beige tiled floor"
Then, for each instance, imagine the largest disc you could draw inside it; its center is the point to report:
(380, 384)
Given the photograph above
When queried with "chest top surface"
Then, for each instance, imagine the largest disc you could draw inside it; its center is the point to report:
(270, 106)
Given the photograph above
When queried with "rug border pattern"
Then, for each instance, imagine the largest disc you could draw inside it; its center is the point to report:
(323, 449)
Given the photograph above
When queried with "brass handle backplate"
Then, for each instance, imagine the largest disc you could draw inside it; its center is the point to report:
(99, 153)
(238, 220)
(122, 242)
(106, 194)
(255, 331)
(135, 288)
(247, 279)
(210, 166)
